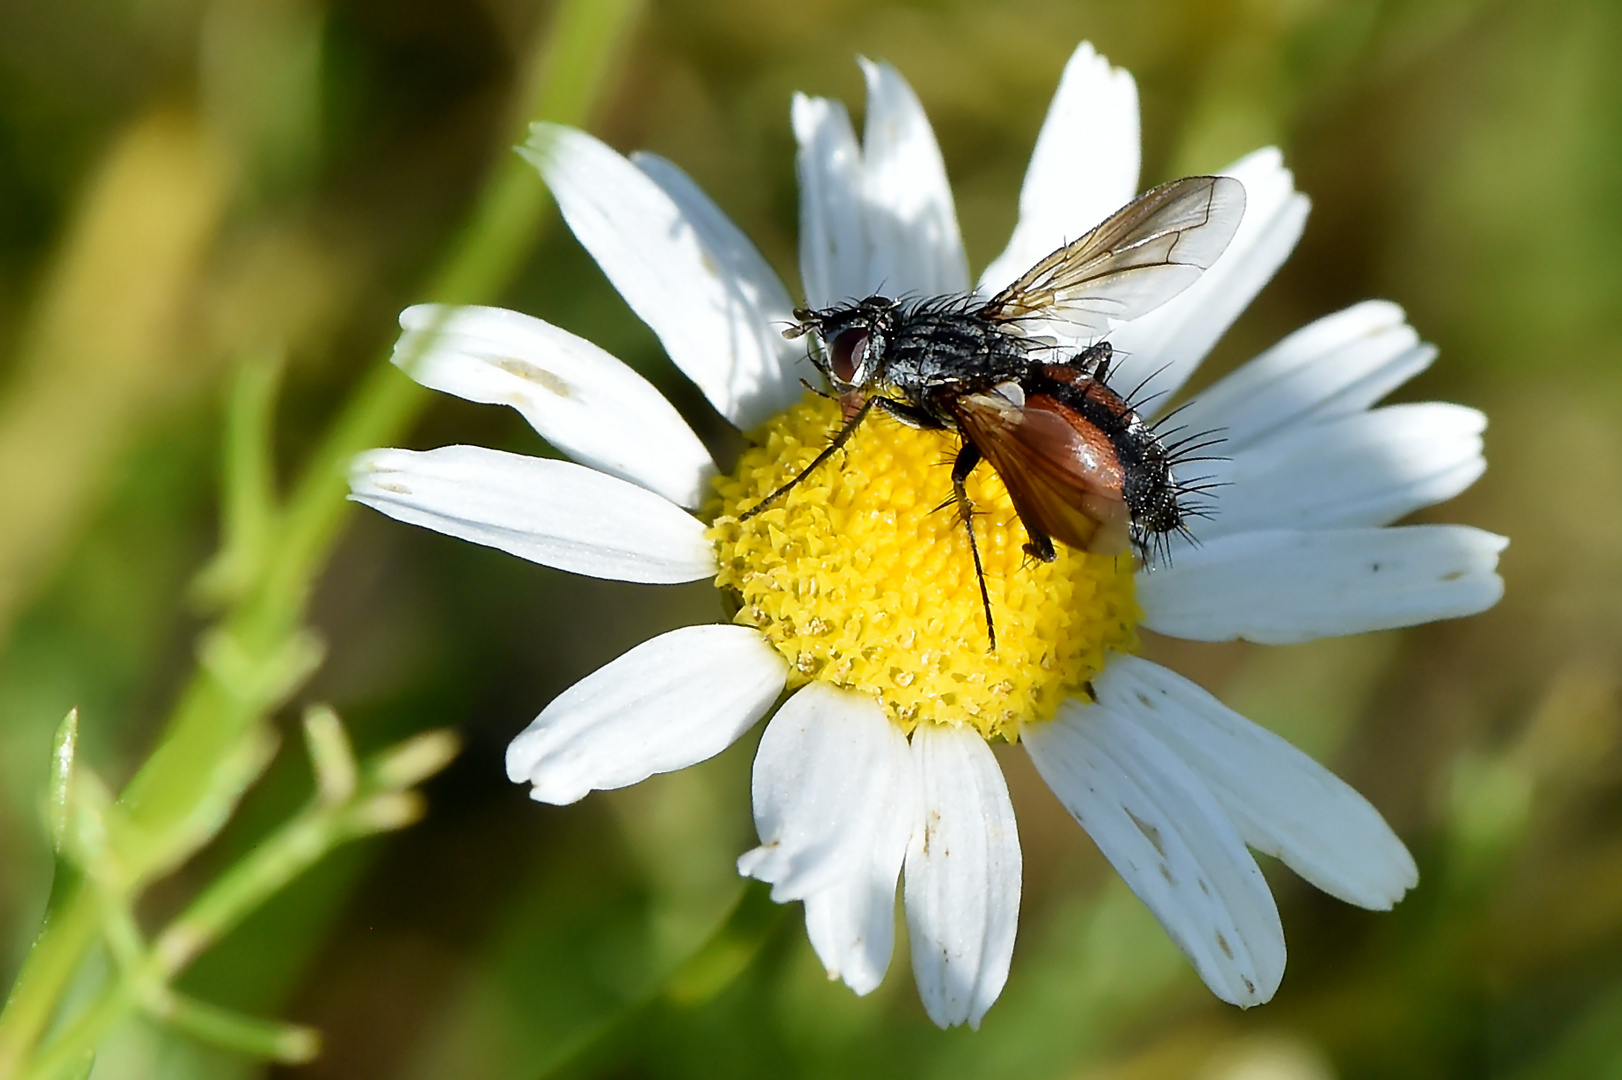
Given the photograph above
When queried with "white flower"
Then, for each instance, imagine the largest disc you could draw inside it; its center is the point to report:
(854, 788)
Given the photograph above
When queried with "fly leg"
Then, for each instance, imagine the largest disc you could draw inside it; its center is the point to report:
(1039, 546)
(967, 459)
(827, 452)
(1093, 361)
(907, 414)
(911, 415)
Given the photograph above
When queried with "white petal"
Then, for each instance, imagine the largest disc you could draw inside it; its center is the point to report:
(1282, 587)
(879, 217)
(833, 235)
(963, 876)
(669, 703)
(823, 778)
(1084, 167)
(1284, 803)
(698, 284)
(1162, 349)
(851, 923)
(751, 275)
(913, 239)
(1340, 364)
(576, 396)
(1161, 829)
(1369, 468)
(552, 512)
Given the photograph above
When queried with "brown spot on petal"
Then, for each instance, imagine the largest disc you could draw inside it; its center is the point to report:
(537, 375)
(931, 823)
(1149, 832)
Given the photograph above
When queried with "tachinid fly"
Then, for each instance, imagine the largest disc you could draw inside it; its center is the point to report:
(1081, 466)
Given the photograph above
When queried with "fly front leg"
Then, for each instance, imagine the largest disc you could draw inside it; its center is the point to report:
(851, 424)
(967, 459)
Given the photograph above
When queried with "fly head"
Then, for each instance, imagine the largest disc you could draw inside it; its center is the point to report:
(852, 340)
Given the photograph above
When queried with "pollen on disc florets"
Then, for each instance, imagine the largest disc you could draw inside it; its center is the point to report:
(857, 579)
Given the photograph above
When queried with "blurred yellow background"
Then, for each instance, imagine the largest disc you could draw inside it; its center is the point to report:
(187, 183)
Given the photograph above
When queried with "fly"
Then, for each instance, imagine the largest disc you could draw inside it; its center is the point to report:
(1081, 466)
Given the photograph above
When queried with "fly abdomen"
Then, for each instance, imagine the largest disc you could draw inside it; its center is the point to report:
(1147, 486)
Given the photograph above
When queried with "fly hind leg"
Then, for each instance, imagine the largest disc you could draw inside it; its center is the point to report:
(1094, 361)
(967, 459)
(1040, 545)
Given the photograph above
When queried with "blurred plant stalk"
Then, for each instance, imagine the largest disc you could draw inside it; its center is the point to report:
(259, 653)
(102, 347)
(351, 800)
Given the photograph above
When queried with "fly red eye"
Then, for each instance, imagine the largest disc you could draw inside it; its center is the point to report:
(849, 350)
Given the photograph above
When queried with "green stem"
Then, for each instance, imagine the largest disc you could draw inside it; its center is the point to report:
(287, 1043)
(85, 1031)
(231, 897)
(222, 905)
(145, 973)
(248, 511)
(725, 955)
(728, 952)
(250, 486)
(502, 230)
(569, 77)
(70, 924)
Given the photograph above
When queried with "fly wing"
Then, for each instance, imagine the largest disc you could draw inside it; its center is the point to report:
(1141, 256)
(1061, 472)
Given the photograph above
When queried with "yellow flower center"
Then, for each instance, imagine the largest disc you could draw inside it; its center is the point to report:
(857, 579)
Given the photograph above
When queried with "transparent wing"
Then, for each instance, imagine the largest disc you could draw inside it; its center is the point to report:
(1141, 256)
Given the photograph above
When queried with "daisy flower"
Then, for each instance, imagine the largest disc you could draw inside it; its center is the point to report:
(856, 601)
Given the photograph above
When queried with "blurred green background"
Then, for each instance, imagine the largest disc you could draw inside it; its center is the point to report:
(184, 183)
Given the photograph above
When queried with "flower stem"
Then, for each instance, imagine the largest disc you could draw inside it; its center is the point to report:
(332, 817)
(213, 715)
(715, 965)
(290, 1044)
